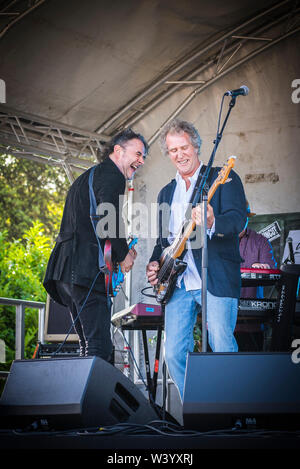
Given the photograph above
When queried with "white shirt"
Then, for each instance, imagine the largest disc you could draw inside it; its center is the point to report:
(181, 199)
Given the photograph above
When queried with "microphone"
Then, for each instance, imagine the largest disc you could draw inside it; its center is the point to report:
(243, 90)
(290, 244)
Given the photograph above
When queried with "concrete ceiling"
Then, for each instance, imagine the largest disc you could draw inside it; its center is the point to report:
(98, 65)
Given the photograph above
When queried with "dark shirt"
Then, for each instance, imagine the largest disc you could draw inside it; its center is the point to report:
(74, 258)
(255, 248)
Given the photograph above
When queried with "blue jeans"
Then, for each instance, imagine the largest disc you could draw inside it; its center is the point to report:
(180, 318)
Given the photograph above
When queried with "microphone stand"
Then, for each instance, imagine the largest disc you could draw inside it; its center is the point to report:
(201, 197)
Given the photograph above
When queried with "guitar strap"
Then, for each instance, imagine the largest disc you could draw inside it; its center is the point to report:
(102, 266)
(94, 219)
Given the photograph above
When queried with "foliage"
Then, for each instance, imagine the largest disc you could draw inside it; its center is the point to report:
(31, 203)
(30, 191)
(22, 265)
(197, 337)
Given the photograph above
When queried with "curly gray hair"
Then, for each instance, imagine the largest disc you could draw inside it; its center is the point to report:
(177, 126)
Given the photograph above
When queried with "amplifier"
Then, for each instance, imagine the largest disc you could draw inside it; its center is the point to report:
(262, 388)
(57, 350)
(71, 393)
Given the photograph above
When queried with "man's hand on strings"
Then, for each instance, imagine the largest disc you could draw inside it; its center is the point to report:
(152, 271)
(196, 215)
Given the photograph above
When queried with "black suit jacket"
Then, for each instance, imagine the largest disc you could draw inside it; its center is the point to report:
(229, 204)
(74, 258)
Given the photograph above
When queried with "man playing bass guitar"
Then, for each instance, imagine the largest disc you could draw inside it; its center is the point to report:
(226, 217)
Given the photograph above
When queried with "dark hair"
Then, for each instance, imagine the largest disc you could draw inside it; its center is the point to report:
(177, 126)
(121, 139)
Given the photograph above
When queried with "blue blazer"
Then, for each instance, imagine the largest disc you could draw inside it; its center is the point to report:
(229, 204)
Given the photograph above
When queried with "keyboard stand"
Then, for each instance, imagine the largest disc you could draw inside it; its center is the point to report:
(151, 381)
(285, 315)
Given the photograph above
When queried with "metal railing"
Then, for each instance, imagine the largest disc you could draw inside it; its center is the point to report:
(20, 321)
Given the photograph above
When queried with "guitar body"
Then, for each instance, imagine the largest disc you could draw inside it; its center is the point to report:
(171, 266)
(164, 289)
(115, 277)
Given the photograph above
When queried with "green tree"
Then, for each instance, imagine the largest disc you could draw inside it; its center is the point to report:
(31, 202)
(22, 267)
(30, 191)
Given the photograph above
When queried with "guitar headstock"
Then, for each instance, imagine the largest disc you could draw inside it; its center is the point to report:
(225, 170)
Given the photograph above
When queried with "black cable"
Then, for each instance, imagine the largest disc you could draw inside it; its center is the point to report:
(153, 427)
(77, 317)
(145, 294)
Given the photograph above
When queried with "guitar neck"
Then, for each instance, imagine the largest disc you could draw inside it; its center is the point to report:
(178, 244)
(190, 226)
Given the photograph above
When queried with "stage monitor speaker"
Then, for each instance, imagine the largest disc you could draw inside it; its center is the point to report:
(58, 323)
(259, 389)
(71, 393)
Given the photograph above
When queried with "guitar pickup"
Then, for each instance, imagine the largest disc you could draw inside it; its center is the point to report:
(179, 266)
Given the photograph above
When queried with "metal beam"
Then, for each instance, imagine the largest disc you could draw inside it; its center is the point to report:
(228, 51)
(199, 90)
(21, 132)
(43, 160)
(112, 123)
(18, 15)
(29, 136)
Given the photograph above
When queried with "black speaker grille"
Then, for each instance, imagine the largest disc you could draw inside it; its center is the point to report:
(127, 397)
(118, 411)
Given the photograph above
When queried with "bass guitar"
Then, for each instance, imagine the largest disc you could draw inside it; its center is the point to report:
(115, 277)
(170, 264)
